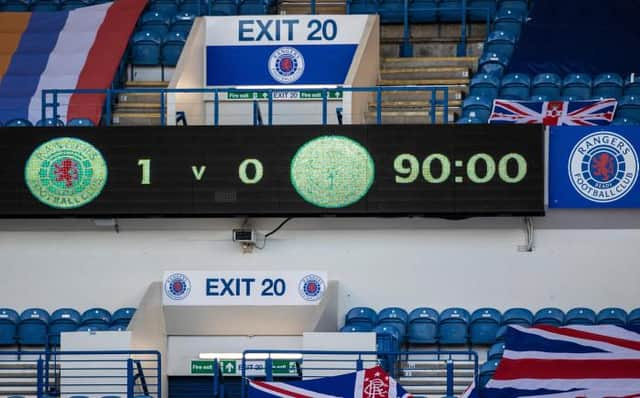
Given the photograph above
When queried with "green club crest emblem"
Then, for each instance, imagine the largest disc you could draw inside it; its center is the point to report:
(332, 171)
(66, 173)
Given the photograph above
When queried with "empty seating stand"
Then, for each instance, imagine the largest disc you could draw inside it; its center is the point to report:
(423, 326)
(396, 317)
(362, 317)
(454, 326)
(8, 326)
(484, 325)
(580, 316)
(33, 327)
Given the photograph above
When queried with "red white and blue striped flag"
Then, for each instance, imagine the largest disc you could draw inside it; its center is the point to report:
(554, 113)
(567, 362)
(368, 383)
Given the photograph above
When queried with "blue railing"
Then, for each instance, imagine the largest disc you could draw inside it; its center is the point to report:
(316, 364)
(85, 373)
(438, 101)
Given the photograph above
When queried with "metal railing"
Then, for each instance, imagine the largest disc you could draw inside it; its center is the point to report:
(438, 101)
(316, 364)
(86, 373)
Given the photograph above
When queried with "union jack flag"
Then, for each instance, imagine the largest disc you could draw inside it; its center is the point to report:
(554, 113)
(569, 362)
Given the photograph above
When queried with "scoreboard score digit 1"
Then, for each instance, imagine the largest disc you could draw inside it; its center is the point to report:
(441, 171)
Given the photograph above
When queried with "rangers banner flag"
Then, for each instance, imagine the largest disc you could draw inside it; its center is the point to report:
(368, 383)
(554, 113)
(567, 362)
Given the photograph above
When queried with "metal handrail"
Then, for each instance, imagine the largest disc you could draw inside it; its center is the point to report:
(434, 102)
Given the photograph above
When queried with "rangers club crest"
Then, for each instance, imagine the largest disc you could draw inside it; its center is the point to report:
(66, 173)
(603, 167)
(311, 288)
(286, 65)
(177, 286)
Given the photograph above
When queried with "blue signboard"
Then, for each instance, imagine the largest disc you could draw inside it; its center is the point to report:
(594, 167)
(274, 50)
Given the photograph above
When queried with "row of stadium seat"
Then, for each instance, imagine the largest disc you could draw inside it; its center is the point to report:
(36, 327)
(576, 86)
(392, 11)
(150, 48)
(484, 326)
(162, 23)
(214, 7)
(48, 123)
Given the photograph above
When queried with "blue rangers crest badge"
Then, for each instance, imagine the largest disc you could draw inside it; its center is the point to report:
(311, 287)
(286, 65)
(603, 167)
(177, 286)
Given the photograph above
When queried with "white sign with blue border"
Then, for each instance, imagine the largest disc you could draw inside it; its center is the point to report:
(275, 50)
(243, 287)
(594, 167)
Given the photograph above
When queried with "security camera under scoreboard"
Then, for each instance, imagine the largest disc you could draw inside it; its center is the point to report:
(442, 171)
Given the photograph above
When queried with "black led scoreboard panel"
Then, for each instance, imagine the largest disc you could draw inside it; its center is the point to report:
(442, 171)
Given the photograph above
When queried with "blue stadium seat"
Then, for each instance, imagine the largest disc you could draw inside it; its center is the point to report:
(484, 325)
(453, 326)
(44, 5)
(580, 316)
(92, 328)
(423, 10)
(493, 63)
(549, 316)
(624, 121)
(450, 10)
(172, 45)
(254, 7)
(480, 9)
(79, 122)
(396, 317)
(96, 317)
(633, 320)
(153, 21)
(546, 84)
(571, 98)
(612, 316)
(122, 316)
(487, 370)
(356, 329)
(508, 21)
(515, 86)
(117, 328)
(8, 326)
(182, 22)
(361, 316)
(69, 5)
(484, 85)
(33, 326)
(16, 5)
(391, 11)
(50, 123)
(495, 352)
(145, 48)
(423, 326)
(18, 123)
(166, 7)
(223, 7)
(500, 42)
(540, 98)
(520, 6)
(468, 119)
(632, 84)
(62, 320)
(607, 85)
(196, 7)
(480, 106)
(577, 85)
(629, 107)
(362, 6)
(387, 338)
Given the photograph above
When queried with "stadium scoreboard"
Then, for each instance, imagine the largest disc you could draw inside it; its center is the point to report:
(410, 170)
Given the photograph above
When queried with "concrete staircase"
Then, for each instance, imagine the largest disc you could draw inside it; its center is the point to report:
(414, 107)
(19, 378)
(428, 379)
(323, 7)
(138, 109)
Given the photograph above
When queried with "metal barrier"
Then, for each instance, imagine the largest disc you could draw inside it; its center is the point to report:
(51, 99)
(311, 364)
(96, 374)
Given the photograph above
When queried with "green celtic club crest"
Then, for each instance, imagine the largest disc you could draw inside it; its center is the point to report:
(332, 171)
(66, 173)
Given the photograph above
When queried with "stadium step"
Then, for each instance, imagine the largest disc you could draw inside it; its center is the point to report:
(426, 62)
(408, 117)
(430, 72)
(146, 84)
(434, 391)
(423, 82)
(437, 373)
(302, 7)
(455, 93)
(138, 109)
(418, 365)
(139, 97)
(411, 105)
(136, 119)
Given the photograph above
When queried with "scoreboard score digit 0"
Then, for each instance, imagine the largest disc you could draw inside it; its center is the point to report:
(440, 171)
